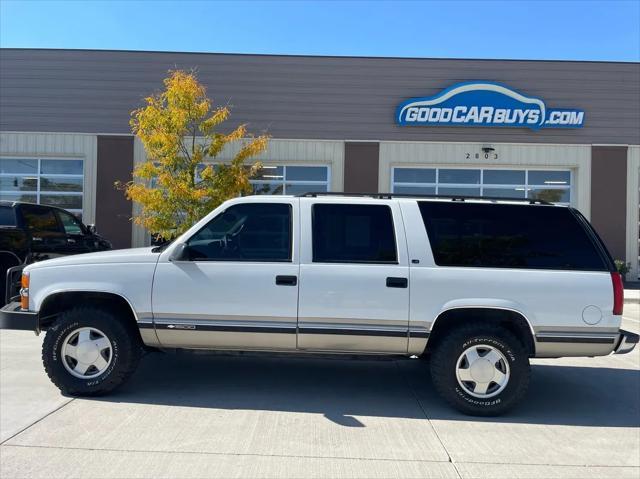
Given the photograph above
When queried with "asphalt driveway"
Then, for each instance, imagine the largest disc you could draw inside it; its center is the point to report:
(196, 415)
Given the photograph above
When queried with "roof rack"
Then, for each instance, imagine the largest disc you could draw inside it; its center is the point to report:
(388, 196)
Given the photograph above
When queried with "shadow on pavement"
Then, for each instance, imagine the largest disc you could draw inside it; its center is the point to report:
(341, 389)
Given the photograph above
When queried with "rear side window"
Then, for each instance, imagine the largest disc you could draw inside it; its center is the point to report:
(345, 233)
(508, 236)
(7, 216)
(40, 220)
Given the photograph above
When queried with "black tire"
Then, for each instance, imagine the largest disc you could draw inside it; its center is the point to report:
(126, 350)
(444, 360)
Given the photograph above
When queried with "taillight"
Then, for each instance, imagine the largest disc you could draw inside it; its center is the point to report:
(24, 291)
(618, 293)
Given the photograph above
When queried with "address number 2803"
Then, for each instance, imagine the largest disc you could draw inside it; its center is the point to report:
(477, 156)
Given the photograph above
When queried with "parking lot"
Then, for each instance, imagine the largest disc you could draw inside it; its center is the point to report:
(198, 415)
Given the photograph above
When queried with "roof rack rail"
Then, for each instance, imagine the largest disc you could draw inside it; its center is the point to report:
(388, 196)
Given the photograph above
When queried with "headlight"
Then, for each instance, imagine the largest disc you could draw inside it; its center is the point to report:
(24, 291)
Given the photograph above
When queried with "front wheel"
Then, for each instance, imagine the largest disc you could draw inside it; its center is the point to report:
(89, 351)
(481, 370)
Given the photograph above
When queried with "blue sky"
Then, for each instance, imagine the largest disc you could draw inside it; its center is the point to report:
(562, 30)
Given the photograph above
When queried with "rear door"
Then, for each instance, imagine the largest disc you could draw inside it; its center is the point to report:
(45, 231)
(354, 290)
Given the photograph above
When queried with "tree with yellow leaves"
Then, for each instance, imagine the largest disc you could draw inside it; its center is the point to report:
(180, 182)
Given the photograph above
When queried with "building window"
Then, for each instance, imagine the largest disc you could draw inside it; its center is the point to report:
(549, 185)
(54, 182)
(290, 180)
(284, 180)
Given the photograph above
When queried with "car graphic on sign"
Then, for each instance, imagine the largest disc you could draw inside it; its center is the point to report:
(481, 103)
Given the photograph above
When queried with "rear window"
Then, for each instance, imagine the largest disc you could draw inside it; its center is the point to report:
(7, 216)
(508, 236)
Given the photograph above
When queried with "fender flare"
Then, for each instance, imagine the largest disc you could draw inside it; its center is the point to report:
(88, 291)
(488, 303)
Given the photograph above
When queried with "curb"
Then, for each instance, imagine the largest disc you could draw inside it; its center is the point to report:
(631, 296)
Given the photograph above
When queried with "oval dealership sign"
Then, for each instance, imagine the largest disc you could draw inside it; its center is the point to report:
(488, 104)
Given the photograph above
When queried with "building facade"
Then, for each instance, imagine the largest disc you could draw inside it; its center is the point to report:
(567, 132)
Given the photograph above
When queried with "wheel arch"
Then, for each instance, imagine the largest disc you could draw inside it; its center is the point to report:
(512, 319)
(59, 301)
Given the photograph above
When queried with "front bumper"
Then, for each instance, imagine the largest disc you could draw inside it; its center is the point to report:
(12, 317)
(626, 342)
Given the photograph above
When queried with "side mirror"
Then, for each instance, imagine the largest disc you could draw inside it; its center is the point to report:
(91, 229)
(180, 253)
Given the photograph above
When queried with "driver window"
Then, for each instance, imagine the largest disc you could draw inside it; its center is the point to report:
(70, 223)
(245, 232)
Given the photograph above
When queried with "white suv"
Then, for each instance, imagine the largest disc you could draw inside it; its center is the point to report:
(479, 285)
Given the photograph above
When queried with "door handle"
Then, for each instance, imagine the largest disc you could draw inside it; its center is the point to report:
(397, 282)
(286, 280)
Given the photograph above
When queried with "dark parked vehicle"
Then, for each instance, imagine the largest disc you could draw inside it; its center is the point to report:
(30, 232)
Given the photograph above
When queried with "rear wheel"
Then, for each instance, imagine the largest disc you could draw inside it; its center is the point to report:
(89, 351)
(481, 370)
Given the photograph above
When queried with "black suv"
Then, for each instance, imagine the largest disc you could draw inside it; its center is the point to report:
(30, 232)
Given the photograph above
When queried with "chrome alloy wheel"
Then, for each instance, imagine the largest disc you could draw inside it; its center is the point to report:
(86, 353)
(482, 371)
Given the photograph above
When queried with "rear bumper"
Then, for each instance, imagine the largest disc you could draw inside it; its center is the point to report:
(626, 342)
(12, 317)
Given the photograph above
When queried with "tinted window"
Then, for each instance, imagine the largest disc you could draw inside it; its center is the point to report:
(353, 234)
(508, 236)
(7, 216)
(40, 220)
(248, 232)
(70, 224)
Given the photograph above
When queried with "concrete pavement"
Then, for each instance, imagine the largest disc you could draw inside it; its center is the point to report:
(211, 416)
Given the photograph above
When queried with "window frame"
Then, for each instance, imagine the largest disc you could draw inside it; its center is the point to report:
(393, 235)
(38, 175)
(481, 186)
(234, 260)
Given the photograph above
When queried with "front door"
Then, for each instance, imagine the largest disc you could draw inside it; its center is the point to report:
(239, 287)
(354, 290)
(76, 239)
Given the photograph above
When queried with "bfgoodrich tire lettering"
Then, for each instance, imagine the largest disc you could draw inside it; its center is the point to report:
(444, 361)
(125, 352)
